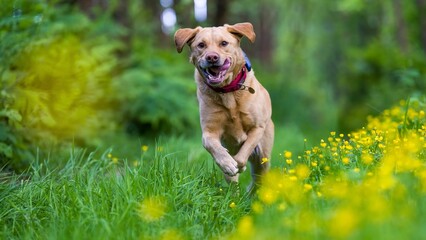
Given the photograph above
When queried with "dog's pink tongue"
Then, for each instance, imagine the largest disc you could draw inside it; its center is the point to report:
(225, 65)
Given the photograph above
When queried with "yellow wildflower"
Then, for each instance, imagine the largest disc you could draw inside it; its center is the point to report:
(302, 171)
(267, 195)
(293, 178)
(264, 160)
(367, 158)
(282, 206)
(307, 187)
(232, 205)
(345, 160)
(171, 234)
(152, 209)
(144, 148)
(257, 207)
(245, 228)
(343, 223)
(287, 154)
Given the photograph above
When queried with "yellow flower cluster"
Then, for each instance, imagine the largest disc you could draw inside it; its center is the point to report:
(367, 184)
(152, 209)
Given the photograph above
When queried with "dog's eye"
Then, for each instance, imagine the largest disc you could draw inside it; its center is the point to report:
(224, 43)
(201, 45)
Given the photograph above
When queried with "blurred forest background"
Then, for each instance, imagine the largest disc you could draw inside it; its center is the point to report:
(91, 72)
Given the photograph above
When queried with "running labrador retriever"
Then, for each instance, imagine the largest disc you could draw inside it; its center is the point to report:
(235, 109)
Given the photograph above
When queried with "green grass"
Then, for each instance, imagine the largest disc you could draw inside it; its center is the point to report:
(93, 198)
(97, 194)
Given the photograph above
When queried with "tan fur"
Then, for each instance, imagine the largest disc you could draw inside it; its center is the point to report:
(234, 123)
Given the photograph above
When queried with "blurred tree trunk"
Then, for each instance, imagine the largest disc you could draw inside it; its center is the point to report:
(421, 6)
(86, 6)
(221, 12)
(266, 33)
(121, 13)
(401, 29)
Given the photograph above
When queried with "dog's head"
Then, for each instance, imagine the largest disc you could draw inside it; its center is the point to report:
(215, 51)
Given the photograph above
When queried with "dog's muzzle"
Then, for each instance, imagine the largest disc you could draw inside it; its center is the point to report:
(213, 70)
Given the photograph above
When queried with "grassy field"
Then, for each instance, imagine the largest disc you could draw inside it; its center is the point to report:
(100, 195)
(369, 184)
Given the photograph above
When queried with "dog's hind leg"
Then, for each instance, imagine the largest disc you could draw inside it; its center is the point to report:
(260, 159)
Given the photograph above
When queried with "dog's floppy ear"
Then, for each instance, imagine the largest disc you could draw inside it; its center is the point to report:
(183, 36)
(242, 29)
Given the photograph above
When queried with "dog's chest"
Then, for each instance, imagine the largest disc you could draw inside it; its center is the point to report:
(238, 121)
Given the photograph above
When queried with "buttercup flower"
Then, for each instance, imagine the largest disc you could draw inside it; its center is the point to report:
(152, 209)
(144, 148)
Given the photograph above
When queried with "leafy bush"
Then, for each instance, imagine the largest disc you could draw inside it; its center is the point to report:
(377, 75)
(344, 60)
(158, 93)
(60, 87)
(63, 82)
(54, 81)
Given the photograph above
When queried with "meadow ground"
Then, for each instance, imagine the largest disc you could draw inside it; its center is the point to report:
(366, 184)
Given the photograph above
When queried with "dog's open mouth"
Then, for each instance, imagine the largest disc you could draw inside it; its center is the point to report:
(216, 74)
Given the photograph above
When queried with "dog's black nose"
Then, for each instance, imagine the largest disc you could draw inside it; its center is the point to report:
(212, 57)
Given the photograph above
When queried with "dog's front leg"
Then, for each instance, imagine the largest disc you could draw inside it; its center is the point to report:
(226, 162)
(253, 139)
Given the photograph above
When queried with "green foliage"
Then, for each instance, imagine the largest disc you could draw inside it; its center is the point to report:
(335, 62)
(377, 75)
(157, 93)
(54, 82)
(70, 79)
(329, 64)
(17, 30)
(62, 87)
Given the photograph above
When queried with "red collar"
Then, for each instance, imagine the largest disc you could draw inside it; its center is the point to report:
(235, 85)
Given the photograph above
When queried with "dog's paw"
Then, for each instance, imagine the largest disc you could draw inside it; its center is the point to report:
(241, 163)
(229, 167)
